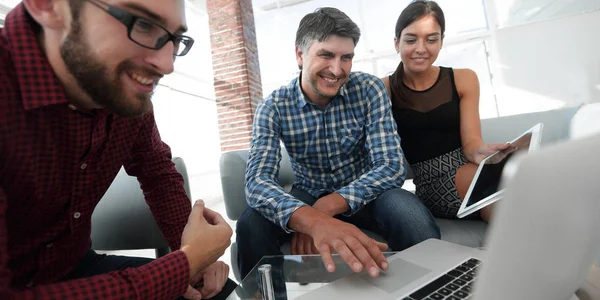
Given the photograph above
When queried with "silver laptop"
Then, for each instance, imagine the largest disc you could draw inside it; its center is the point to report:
(540, 245)
(485, 186)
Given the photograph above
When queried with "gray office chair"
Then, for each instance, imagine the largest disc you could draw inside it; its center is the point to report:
(123, 221)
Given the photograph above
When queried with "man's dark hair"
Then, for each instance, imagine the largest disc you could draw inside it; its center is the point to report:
(322, 23)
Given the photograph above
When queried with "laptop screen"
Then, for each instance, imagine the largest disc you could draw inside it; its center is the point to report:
(488, 181)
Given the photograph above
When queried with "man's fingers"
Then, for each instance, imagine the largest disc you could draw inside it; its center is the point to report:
(347, 255)
(300, 246)
(197, 209)
(366, 251)
(219, 280)
(326, 258)
(307, 244)
(199, 203)
(210, 284)
(213, 217)
(314, 248)
(293, 243)
(196, 216)
(197, 278)
(192, 294)
(375, 250)
(382, 246)
(225, 273)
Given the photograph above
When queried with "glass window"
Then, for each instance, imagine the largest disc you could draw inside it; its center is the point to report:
(379, 20)
(277, 22)
(517, 12)
(193, 72)
(276, 34)
(5, 7)
(473, 55)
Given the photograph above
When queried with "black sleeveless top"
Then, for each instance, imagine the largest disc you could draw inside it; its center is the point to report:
(428, 121)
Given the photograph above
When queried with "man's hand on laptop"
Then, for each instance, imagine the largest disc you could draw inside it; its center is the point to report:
(357, 249)
(331, 235)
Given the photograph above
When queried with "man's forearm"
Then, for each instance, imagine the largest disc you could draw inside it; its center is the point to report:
(332, 204)
(151, 162)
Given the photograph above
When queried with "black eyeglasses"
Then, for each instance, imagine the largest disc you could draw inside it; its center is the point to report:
(147, 33)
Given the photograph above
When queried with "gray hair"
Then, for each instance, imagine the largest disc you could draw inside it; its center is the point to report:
(322, 23)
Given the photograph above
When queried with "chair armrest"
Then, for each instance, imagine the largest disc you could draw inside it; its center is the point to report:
(123, 221)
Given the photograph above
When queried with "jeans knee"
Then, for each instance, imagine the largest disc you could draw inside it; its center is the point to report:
(248, 225)
(409, 221)
(252, 228)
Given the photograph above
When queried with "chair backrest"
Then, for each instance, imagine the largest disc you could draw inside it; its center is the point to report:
(233, 174)
(556, 125)
(123, 221)
(503, 129)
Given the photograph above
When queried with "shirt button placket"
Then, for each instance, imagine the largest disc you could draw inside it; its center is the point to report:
(77, 215)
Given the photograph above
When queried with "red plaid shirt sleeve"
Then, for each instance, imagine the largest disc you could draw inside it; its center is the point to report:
(150, 161)
(164, 278)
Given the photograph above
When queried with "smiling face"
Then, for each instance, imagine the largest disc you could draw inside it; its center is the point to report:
(325, 67)
(420, 44)
(111, 69)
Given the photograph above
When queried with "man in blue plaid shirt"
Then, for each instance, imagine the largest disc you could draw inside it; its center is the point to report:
(339, 132)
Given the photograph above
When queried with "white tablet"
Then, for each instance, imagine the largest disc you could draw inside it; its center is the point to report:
(485, 187)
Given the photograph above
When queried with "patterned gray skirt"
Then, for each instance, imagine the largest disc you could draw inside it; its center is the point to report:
(434, 180)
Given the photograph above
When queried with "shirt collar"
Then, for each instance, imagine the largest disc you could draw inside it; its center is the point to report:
(38, 83)
(302, 101)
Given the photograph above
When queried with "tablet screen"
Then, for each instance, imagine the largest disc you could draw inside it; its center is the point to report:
(488, 181)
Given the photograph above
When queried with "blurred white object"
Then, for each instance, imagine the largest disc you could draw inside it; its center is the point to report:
(586, 121)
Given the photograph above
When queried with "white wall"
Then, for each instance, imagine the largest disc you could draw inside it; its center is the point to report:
(188, 124)
(547, 64)
(186, 111)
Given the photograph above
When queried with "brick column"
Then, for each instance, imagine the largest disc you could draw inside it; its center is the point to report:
(236, 70)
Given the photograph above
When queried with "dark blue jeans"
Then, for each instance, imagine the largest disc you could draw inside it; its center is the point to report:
(397, 215)
(93, 264)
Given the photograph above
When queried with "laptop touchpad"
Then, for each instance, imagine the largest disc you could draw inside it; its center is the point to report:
(399, 274)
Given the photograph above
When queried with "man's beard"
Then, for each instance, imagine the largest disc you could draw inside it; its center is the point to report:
(321, 92)
(93, 77)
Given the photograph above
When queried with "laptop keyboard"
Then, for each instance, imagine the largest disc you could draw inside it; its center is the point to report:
(454, 285)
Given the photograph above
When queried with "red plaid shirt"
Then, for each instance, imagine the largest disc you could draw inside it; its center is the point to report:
(55, 165)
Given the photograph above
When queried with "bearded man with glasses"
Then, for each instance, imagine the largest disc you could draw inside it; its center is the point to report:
(76, 81)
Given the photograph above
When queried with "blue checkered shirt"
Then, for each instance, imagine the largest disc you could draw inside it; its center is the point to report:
(351, 147)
